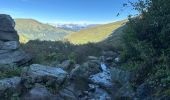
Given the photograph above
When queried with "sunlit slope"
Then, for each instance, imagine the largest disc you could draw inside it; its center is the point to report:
(29, 29)
(94, 34)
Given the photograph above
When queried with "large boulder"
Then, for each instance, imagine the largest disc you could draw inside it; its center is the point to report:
(39, 92)
(18, 57)
(9, 45)
(9, 85)
(85, 70)
(10, 53)
(44, 74)
(7, 31)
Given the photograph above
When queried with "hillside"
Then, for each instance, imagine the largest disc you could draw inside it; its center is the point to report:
(94, 34)
(30, 29)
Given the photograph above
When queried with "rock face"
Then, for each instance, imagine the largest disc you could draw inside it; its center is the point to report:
(40, 73)
(9, 84)
(39, 92)
(9, 43)
(85, 70)
(7, 31)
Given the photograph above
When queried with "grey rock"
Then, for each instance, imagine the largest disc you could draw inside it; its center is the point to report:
(11, 85)
(66, 64)
(4, 51)
(99, 94)
(7, 23)
(9, 45)
(109, 54)
(85, 70)
(67, 94)
(92, 58)
(39, 73)
(7, 31)
(18, 57)
(103, 79)
(39, 92)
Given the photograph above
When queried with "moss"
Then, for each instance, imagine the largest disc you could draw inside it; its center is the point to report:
(10, 73)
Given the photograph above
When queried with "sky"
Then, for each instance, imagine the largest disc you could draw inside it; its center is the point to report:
(67, 11)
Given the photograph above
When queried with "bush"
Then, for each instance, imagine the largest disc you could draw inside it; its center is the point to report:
(147, 43)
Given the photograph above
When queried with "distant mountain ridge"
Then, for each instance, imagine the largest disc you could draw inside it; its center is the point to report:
(94, 34)
(74, 27)
(30, 29)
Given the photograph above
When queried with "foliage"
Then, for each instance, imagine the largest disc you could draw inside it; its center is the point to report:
(46, 52)
(10, 73)
(147, 43)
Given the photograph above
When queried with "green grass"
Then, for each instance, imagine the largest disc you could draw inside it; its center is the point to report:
(30, 29)
(94, 34)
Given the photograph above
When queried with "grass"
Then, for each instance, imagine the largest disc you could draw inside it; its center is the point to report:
(94, 34)
(30, 29)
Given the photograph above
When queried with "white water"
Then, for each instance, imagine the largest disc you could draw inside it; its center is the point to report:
(102, 78)
(104, 67)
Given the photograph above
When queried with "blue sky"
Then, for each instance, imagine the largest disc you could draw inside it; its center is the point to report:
(67, 11)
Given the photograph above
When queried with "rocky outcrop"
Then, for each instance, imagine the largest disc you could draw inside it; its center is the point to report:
(85, 70)
(9, 43)
(39, 92)
(44, 74)
(7, 31)
(9, 85)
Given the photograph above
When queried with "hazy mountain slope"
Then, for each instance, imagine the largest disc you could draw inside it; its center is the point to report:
(94, 34)
(30, 29)
(75, 27)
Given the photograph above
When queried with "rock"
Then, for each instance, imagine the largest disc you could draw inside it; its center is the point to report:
(117, 59)
(7, 31)
(9, 45)
(120, 75)
(9, 85)
(109, 54)
(92, 58)
(40, 73)
(39, 92)
(85, 70)
(99, 94)
(102, 79)
(66, 64)
(67, 94)
(17, 57)
(10, 53)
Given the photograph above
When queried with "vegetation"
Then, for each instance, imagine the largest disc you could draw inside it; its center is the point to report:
(49, 52)
(147, 44)
(94, 34)
(30, 29)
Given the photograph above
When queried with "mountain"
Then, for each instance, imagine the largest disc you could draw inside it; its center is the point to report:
(74, 27)
(94, 34)
(30, 29)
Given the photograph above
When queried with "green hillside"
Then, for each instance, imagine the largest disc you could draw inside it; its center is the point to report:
(94, 34)
(30, 29)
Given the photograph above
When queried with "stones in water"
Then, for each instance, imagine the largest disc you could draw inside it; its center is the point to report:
(85, 70)
(103, 78)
